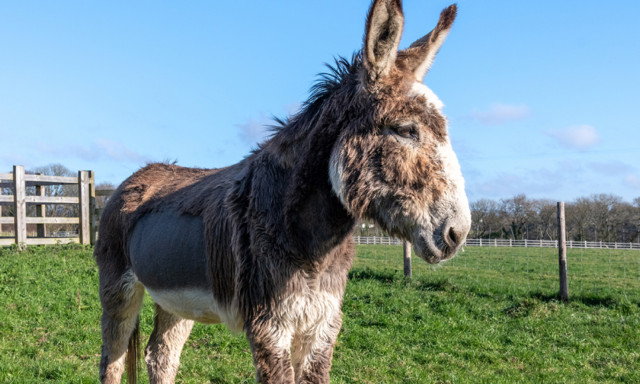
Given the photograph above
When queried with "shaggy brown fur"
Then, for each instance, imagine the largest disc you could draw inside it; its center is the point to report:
(277, 234)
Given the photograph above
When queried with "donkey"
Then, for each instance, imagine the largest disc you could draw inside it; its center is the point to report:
(265, 245)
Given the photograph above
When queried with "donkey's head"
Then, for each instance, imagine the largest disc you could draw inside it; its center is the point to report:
(393, 160)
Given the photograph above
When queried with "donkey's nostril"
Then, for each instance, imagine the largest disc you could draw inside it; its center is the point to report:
(452, 236)
(455, 238)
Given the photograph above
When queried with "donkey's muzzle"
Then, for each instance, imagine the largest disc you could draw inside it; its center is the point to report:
(441, 245)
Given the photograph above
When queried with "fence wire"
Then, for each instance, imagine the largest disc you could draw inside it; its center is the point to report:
(606, 276)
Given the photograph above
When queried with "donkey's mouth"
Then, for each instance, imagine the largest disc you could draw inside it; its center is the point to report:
(436, 247)
(428, 251)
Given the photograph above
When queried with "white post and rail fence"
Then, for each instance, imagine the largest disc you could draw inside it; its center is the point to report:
(580, 244)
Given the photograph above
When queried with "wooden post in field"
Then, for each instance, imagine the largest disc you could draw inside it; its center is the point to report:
(83, 193)
(562, 253)
(41, 211)
(406, 246)
(20, 205)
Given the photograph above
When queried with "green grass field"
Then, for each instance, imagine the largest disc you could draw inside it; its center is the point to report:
(490, 315)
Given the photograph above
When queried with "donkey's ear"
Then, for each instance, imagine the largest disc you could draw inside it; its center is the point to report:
(382, 36)
(419, 56)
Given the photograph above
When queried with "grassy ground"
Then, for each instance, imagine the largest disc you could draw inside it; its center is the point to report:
(490, 315)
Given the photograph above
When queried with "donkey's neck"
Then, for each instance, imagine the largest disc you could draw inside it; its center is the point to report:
(313, 219)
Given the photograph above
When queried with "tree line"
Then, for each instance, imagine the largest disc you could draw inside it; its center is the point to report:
(598, 217)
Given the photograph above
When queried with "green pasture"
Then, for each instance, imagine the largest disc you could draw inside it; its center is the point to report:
(490, 315)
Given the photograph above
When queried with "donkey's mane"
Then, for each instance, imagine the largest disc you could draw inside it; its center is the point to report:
(325, 86)
(328, 81)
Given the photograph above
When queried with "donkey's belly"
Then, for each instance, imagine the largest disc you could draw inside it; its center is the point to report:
(168, 256)
(190, 303)
(167, 251)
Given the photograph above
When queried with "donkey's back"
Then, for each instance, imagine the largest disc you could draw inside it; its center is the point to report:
(150, 190)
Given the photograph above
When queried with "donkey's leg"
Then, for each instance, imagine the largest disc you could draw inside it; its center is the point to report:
(165, 345)
(270, 344)
(312, 349)
(121, 298)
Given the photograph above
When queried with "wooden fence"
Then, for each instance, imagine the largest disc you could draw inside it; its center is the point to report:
(18, 181)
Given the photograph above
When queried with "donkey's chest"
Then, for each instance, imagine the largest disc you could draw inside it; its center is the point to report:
(307, 310)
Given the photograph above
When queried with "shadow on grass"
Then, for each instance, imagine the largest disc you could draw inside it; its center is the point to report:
(396, 277)
(386, 277)
(597, 301)
(531, 303)
(589, 300)
(441, 285)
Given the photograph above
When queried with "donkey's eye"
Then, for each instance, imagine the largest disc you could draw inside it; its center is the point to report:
(406, 131)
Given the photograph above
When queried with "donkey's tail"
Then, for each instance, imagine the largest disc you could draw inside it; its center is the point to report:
(133, 354)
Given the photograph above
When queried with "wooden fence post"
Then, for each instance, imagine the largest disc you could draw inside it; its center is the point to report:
(562, 253)
(41, 211)
(20, 205)
(83, 193)
(407, 258)
(93, 220)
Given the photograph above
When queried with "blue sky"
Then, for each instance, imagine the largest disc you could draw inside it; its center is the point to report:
(542, 97)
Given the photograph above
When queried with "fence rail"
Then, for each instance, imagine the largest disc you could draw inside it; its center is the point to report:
(383, 240)
(18, 181)
(510, 243)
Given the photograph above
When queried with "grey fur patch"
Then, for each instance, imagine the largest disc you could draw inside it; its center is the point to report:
(167, 250)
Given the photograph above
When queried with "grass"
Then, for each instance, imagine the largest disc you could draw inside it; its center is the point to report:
(489, 315)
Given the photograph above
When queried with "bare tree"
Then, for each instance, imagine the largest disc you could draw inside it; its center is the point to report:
(546, 212)
(623, 226)
(580, 220)
(485, 217)
(602, 207)
(517, 214)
